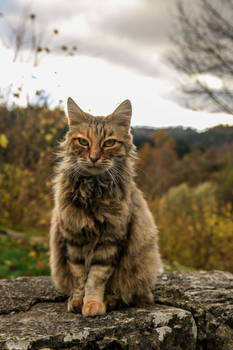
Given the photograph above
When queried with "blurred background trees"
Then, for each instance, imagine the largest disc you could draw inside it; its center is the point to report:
(187, 178)
(27, 158)
(190, 195)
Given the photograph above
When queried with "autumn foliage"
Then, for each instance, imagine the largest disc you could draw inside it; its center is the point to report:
(189, 188)
(191, 199)
(27, 161)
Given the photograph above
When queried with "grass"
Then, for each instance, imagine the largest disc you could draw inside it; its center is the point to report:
(19, 257)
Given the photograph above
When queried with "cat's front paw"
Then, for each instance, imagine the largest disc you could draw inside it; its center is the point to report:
(75, 304)
(93, 307)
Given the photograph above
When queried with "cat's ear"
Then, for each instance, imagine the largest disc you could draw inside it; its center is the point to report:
(122, 115)
(75, 113)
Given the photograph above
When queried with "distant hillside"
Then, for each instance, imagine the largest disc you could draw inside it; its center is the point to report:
(188, 137)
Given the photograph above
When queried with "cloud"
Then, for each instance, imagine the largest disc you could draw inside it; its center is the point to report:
(130, 33)
(143, 22)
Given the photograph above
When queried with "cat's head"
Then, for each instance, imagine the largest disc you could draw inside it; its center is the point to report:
(99, 144)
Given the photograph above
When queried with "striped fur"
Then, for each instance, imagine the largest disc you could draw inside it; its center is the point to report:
(103, 240)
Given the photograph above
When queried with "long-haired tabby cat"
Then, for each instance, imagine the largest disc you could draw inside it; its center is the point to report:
(103, 240)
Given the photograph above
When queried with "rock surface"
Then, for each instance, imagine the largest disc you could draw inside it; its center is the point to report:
(192, 310)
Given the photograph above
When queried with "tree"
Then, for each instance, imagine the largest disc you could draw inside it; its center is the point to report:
(204, 53)
(157, 165)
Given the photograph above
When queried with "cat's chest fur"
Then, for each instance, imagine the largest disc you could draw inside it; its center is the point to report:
(98, 208)
(93, 194)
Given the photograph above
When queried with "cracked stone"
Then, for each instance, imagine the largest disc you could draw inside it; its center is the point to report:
(192, 310)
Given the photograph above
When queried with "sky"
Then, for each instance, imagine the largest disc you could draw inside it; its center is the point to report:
(120, 55)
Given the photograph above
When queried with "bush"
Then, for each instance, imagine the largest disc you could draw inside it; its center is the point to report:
(194, 230)
(28, 143)
(24, 197)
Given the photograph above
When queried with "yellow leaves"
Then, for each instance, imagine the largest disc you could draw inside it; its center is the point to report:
(3, 141)
(48, 184)
(48, 137)
(43, 121)
(194, 207)
(190, 228)
(31, 179)
(42, 222)
(52, 130)
(196, 233)
(32, 253)
(7, 262)
(26, 137)
(228, 210)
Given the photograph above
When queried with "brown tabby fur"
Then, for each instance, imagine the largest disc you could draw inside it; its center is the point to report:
(103, 240)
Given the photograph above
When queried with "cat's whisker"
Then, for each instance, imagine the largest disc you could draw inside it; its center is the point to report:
(75, 170)
(112, 176)
(121, 171)
(116, 172)
(119, 178)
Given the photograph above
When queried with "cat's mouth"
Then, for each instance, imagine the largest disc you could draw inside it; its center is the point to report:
(95, 169)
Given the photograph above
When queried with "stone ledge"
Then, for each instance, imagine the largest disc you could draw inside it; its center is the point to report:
(192, 310)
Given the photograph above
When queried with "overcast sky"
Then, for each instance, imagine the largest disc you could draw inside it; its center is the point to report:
(120, 46)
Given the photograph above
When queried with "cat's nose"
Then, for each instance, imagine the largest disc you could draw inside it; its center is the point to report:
(94, 158)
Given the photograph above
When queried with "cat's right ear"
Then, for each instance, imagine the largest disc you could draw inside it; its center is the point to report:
(75, 113)
(122, 115)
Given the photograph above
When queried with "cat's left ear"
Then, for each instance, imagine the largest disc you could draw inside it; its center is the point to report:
(122, 114)
(75, 113)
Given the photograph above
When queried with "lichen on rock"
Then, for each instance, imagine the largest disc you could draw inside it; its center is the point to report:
(192, 310)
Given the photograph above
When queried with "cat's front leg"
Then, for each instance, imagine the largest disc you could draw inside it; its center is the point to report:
(93, 302)
(75, 300)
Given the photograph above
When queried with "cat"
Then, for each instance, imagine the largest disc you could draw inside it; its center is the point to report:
(103, 239)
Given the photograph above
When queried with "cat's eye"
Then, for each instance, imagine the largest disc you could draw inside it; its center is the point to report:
(109, 143)
(82, 141)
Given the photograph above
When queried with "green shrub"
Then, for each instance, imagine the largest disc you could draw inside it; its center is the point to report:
(22, 258)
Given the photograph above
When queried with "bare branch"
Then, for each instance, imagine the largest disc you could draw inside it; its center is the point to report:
(27, 36)
(204, 46)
